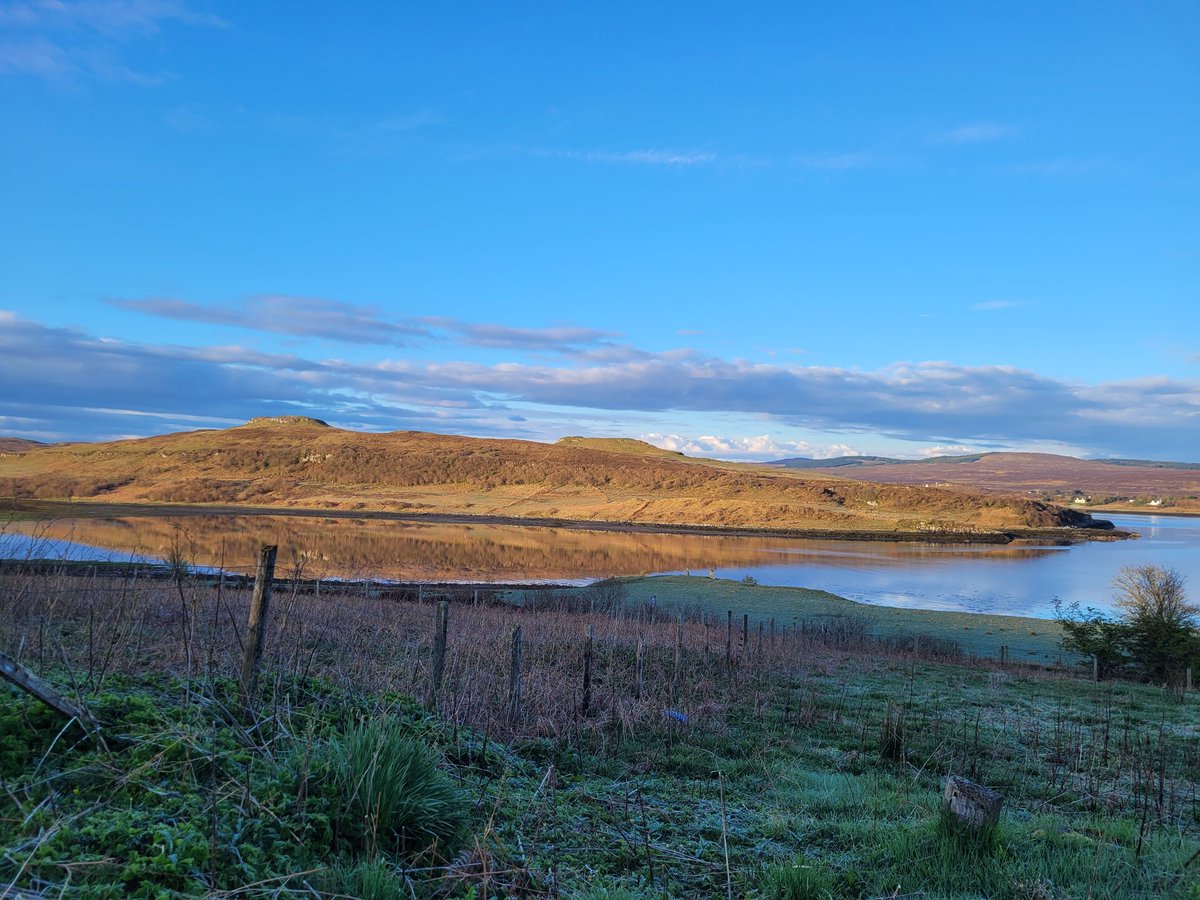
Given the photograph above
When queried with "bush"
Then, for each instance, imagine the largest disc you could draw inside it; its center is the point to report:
(388, 793)
(1156, 634)
(1091, 633)
(1161, 622)
(607, 595)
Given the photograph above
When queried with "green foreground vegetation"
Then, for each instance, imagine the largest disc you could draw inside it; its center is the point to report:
(1028, 639)
(819, 778)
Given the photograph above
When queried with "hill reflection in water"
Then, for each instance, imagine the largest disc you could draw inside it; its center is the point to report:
(350, 548)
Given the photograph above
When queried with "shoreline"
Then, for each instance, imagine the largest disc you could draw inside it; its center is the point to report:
(43, 509)
(1178, 513)
(641, 587)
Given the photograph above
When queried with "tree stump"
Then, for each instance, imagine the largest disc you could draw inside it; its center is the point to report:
(972, 805)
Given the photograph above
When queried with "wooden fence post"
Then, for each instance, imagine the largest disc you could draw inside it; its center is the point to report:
(745, 630)
(729, 639)
(514, 679)
(586, 706)
(441, 623)
(772, 632)
(256, 630)
(640, 667)
(1187, 685)
(678, 671)
(760, 636)
(1095, 667)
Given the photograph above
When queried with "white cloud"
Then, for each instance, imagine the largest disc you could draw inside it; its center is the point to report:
(36, 57)
(948, 450)
(758, 447)
(653, 157)
(334, 320)
(977, 133)
(115, 18)
(57, 374)
(368, 138)
(189, 121)
(561, 338)
(837, 162)
(61, 40)
(283, 314)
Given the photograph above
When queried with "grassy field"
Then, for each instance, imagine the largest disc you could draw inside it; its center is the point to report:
(812, 767)
(1028, 640)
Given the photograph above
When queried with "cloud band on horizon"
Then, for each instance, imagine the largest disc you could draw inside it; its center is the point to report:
(51, 375)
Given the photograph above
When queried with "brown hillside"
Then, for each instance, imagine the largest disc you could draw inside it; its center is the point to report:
(304, 463)
(1041, 473)
(18, 445)
(619, 445)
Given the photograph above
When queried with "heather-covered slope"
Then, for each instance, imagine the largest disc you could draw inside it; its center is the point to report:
(18, 445)
(300, 462)
(1103, 481)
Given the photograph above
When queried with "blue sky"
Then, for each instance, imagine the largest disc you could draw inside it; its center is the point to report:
(747, 231)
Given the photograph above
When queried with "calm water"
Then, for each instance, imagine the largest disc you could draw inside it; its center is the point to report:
(1020, 579)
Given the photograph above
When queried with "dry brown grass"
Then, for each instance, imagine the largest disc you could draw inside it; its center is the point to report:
(96, 625)
(312, 466)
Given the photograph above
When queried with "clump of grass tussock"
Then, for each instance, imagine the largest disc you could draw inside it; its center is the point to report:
(363, 880)
(388, 792)
(801, 880)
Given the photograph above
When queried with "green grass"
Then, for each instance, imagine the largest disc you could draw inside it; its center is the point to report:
(343, 790)
(1029, 640)
(811, 807)
(387, 792)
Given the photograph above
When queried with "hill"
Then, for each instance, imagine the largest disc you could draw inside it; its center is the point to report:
(620, 445)
(304, 463)
(18, 445)
(1109, 483)
(1149, 464)
(836, 462)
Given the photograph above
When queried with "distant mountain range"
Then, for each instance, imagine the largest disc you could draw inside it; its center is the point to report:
(304, 463)
(838, 462)
(1112, 483)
